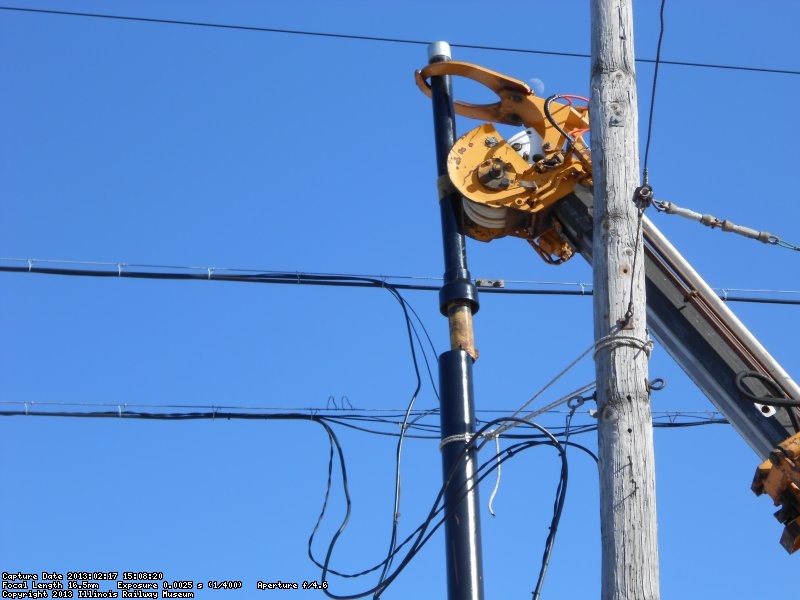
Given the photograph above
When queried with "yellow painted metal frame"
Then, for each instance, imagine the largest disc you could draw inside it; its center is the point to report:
(526, 190)
(779, 478)
(518, 104)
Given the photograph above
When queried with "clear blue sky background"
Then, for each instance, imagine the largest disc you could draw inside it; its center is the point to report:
(176, 145)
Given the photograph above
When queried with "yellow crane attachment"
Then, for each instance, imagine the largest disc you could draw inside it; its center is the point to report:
(779, 478)
(510, 185)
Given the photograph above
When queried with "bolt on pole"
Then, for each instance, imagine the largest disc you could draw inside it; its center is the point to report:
(458, 301)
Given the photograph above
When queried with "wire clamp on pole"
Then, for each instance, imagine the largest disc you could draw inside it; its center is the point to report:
(614, 340)
(576, 402)
(644, 193)
(459, 437)
(30, 265)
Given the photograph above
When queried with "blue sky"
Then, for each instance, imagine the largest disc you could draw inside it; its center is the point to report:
(156, 144)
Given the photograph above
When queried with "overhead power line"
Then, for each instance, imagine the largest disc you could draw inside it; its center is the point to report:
(122, 270)
(327, 411)
(653, 92)
(296, 278)
(370, 38)
(439, 512)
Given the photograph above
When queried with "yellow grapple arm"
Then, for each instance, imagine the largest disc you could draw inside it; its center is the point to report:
(490, 172)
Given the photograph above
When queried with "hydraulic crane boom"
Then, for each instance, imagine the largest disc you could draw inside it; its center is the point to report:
(537, 186)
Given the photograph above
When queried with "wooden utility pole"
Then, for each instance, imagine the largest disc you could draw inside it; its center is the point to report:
(625, 434)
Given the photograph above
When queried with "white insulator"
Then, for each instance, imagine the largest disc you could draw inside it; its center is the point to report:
(485, 216)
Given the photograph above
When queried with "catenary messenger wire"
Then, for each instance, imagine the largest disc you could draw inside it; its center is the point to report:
(369, 38)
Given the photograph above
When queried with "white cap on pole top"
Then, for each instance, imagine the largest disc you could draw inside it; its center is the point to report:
(439, 49)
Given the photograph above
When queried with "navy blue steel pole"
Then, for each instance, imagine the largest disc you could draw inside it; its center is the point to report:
(458, 300)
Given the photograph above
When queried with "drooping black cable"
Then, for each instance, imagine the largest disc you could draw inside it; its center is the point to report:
(331, 280)
(334, 442)
(653, 92)
(423, 534)
(437, 509)
(386, 564)
(561, 492)
(568, 137)
(411, 330)
(426, 530)
(558, 506)
(431, 428)
(422, 348)
(770, 400)
(399, 450)
(790, 405)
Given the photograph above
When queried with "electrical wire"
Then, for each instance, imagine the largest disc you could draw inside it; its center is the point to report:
(118, 270)
(438, 513)
(393, 40)
(558, 507)
(637, 243)
(300, 278)
(653, 92)
(770, 400)
(390, 417)
(248, 276)
(790, 405)
(422, 346)
(412, 334)
(701, 418)
(569, 139)
(787, 245)
(543, 389)
(561, 489)
(399, 450)
(334, 442)
(421, 534)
